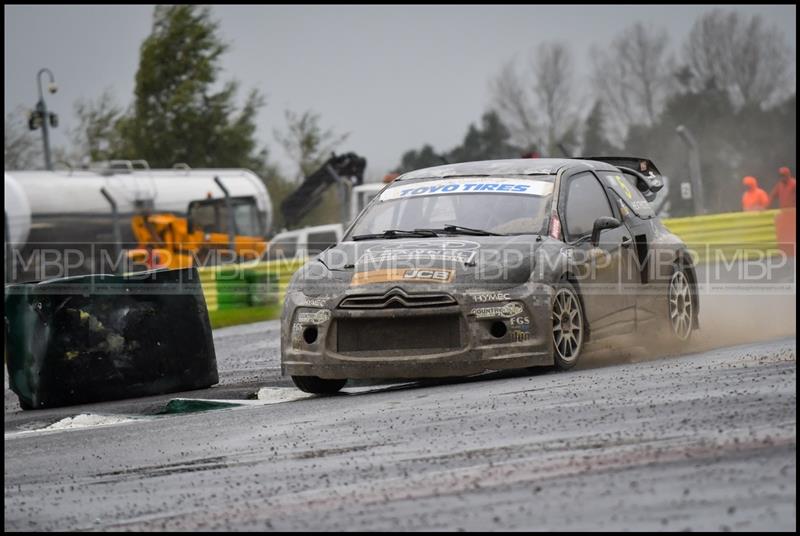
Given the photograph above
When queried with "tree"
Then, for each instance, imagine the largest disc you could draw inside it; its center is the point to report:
(510, 96)
(176, 116)
(425, 157)
(547, 86)
(96, 137)
(306, 142)
(595, 139)
(743, 56)
(490, 141)
(22, 149)
(553, 87)
(634, 76)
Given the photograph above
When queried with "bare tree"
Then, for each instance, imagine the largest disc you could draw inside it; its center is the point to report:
(96, 135)
(633, 76)
(552, 70)
(741, 55)
(22, 149)
(539, 103)
(513, 101)
(306, 142)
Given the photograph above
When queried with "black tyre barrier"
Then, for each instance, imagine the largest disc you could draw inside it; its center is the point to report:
(107, 337)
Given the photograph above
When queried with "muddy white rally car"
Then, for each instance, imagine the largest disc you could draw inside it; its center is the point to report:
(458, 269)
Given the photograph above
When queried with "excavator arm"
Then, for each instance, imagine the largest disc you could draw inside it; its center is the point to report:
(344, 168)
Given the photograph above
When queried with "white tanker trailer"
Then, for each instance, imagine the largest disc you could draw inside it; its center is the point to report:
(59, 222)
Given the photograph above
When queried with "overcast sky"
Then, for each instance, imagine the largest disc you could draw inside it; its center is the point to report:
(394, 77)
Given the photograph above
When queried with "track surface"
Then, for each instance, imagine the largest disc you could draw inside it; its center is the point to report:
(706, 440)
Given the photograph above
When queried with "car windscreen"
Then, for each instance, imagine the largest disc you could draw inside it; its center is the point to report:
(497, 205)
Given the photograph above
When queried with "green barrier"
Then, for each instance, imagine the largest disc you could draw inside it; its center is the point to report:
(240, 287)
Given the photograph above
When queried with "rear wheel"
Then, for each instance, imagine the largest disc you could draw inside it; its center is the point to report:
(568, 326)
(680, 305)
(318, 386)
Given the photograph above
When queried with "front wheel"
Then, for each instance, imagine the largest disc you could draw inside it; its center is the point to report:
(318, 386)
(568, 326)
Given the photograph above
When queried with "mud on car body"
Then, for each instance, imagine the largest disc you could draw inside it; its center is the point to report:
(459, 269)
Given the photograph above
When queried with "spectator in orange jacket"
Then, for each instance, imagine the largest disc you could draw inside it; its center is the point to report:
(754, 198)
(785, 190)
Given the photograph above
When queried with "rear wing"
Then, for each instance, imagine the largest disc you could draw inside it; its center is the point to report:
(647, 177)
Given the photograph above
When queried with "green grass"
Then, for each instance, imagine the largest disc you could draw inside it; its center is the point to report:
(231, 317)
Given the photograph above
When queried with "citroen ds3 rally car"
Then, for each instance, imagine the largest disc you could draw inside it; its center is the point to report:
(458, 269)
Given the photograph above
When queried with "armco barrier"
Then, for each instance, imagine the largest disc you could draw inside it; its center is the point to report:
(728, 236)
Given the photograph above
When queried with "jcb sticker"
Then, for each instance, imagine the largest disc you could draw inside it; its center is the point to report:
(399, 274)
(506, 311)
(484, 297)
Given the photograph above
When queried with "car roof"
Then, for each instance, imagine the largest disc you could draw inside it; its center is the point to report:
(516, 166)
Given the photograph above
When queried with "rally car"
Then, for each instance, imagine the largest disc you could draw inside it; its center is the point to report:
(459, 269)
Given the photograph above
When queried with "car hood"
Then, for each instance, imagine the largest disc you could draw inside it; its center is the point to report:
(455, 261)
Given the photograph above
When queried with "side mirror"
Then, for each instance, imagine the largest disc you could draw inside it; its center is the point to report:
(603, 223)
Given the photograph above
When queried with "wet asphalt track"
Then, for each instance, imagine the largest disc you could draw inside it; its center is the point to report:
(703, 441)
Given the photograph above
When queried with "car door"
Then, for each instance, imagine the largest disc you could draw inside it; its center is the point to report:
(601, 270)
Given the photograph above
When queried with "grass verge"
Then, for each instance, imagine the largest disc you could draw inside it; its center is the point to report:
(231, 317)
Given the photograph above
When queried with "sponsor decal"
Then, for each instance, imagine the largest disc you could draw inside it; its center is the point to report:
(522, 322)
(482, 185)
(316, 318)
(519, 336)
(412, 275)
(624, 186)
(297, 335)
(623, 209)
(465, 257)
(463, 251)
(505, 311)
(316, 302)
(482, 297)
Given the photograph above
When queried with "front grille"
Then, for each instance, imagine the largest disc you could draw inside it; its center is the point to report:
(401, 333)
(396, 298)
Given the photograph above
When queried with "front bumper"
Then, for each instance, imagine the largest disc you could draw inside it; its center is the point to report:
(317, 335)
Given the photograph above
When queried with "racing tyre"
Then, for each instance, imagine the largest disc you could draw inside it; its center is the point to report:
(568, 326)
(680, 305)
(318, 386)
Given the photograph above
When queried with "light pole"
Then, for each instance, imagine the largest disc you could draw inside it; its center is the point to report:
(694, 169)
(42, 117)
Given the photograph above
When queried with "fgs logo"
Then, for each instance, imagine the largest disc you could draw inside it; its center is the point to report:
(520, 321)
(442, 276)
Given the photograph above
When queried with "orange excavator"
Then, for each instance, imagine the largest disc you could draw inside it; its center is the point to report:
(215, 231)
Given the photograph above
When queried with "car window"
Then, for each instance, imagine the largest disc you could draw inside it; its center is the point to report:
(586, 201)
(498, 205)
(319, 241)
(203, 218)
(627, 191)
